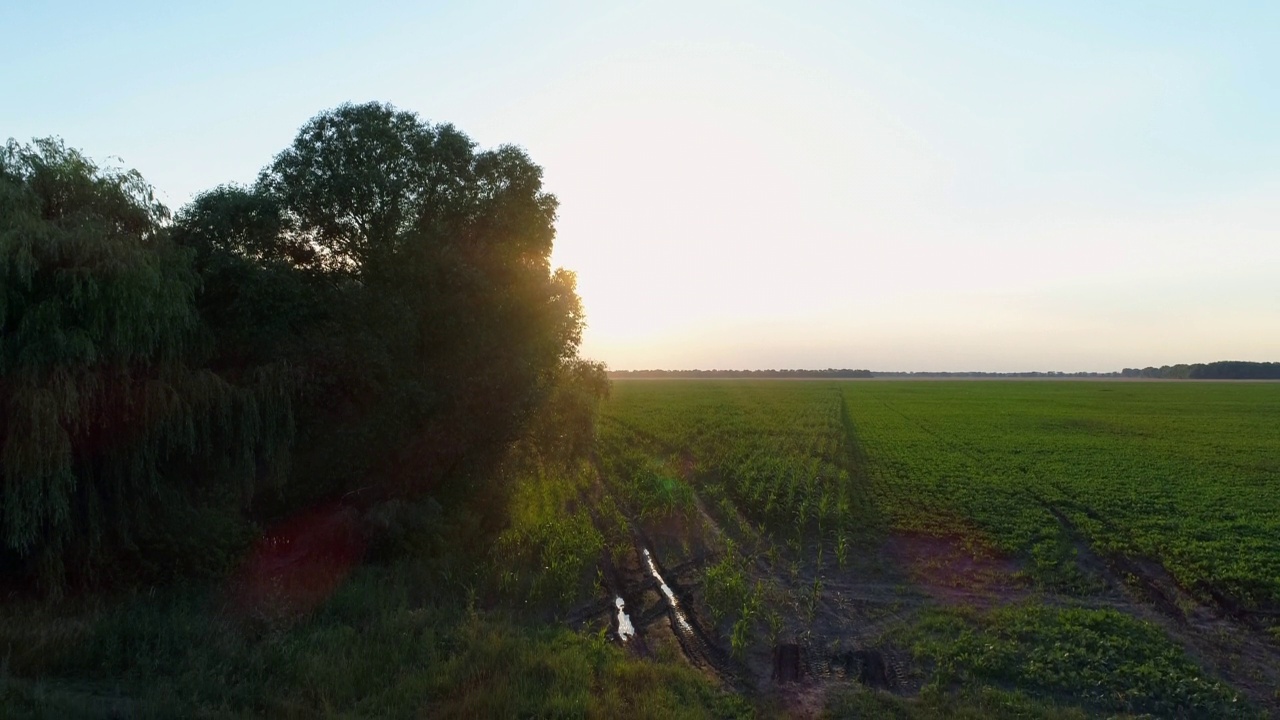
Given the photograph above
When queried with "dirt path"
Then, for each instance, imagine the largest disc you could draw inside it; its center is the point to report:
(658, 604)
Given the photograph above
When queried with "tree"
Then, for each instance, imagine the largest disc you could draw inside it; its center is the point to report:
(106, 414)
(437, 325)
(359, 179)
(377, 310)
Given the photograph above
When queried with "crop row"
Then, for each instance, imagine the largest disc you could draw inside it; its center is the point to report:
(777, 451)
(1186, 475)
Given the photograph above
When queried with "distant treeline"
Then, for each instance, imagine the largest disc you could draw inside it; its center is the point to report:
(834, 373)
(1224, 370)
(1030, 374)
(828, 373)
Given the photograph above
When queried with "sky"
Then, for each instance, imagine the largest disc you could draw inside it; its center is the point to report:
(895, 185)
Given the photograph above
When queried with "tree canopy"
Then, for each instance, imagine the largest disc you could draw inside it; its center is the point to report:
(377, 311)
(103, 389)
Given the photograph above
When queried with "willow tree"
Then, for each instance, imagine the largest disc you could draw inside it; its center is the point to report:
(110, 423)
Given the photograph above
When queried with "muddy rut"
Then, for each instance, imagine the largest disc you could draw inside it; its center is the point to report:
(661, 604)
(833, 621)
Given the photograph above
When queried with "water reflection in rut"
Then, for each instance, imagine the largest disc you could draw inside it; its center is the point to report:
(671, 596)
(625, 628)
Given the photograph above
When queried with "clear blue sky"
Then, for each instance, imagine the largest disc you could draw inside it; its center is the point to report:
(895, 185)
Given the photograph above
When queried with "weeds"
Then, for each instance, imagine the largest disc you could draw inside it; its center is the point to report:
(725, 584)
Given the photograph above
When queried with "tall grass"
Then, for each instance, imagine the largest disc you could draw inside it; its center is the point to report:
(454, 622)
(383, 646)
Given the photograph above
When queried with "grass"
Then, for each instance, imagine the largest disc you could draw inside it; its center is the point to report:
(371, 651)
(547, 554)
(458, 623)
(983, 704)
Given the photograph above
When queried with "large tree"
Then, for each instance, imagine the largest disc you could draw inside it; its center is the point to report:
(437, 323)
(377, 311)
(107, 415)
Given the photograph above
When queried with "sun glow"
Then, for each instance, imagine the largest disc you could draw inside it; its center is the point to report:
(907, 185)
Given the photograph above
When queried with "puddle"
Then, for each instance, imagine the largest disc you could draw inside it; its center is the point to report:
(625, 628)
(671, 596)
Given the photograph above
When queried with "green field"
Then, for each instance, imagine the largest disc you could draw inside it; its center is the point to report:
(927, 549)
(1098, 547)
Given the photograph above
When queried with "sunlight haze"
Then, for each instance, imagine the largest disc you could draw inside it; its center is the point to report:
(1081, 186)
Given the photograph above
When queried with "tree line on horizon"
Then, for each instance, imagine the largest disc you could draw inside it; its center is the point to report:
(375, 317)
(828, 373)
(1223, 370)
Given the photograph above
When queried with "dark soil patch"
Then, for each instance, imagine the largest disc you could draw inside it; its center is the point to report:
(953, 571)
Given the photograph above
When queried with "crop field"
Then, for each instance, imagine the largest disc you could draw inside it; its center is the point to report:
(998, 548)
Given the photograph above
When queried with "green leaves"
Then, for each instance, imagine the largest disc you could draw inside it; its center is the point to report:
(384, 284)
(360, 180)
(778, 450)
(1177, 473)
(1104, 658)
(442, 327)
(100, 386)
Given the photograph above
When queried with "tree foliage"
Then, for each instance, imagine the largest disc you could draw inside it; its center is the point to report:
(105, 409)
(446, 326)
(1221, 370)
(378, 311)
